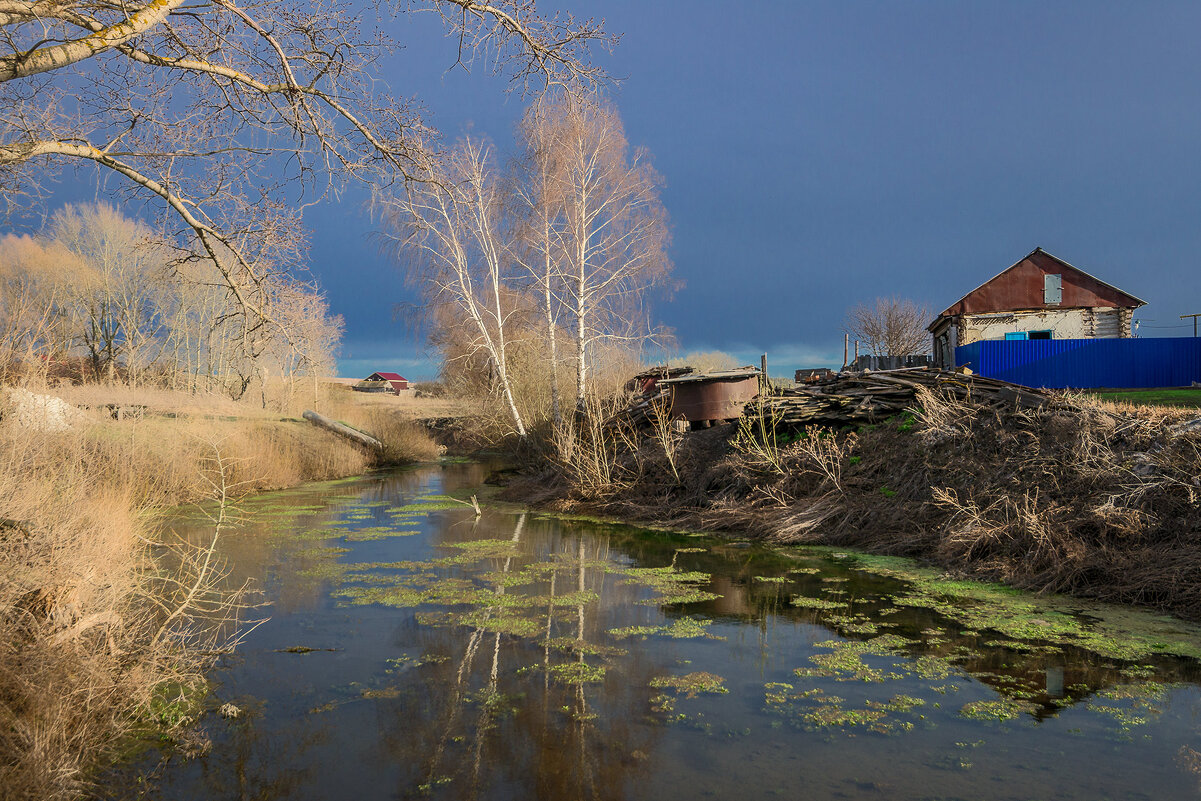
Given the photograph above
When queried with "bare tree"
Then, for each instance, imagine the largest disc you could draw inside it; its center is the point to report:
(216, 107)
(114, 300)
(890, 326)
(34, 289)
(455, 226)
(615, 233)
(538, 187)
(96, 284)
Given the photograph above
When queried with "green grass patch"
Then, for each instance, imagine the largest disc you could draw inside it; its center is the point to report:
(1188, 397)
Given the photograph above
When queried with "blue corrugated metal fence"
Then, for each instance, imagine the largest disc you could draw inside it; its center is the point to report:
(1086, 363)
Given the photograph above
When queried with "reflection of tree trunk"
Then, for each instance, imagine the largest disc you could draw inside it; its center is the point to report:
(582, 722)
(550, 618)
(581, 584)
(464, 673)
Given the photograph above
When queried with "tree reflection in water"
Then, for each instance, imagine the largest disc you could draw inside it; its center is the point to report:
(491, 721)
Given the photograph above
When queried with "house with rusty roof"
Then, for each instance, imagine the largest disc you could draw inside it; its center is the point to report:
(394, 383)
(1039, 297)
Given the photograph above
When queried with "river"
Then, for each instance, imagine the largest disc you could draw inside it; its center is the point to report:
(413, 650)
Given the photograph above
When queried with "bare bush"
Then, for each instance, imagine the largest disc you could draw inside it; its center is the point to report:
(666, 432)
(759, 437)
(943, 417)
(825, 452)
(890, 326)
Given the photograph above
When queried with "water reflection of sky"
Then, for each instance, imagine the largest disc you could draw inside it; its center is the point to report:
(559, 674)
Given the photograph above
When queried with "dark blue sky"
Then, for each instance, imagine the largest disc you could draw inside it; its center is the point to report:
(819, 154)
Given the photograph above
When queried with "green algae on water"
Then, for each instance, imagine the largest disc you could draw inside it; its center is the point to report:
(690, 685)
(684, 628)
(845, 660)
(816, 603)
(1112, 631)
(1001, 709)
(576, 673)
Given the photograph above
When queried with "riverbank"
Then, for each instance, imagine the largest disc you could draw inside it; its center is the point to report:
(1093, 499)
(106, 628)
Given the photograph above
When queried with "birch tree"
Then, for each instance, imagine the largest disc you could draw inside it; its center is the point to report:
(538, 189)
(453, 228)
(615, 233)
(233, 116)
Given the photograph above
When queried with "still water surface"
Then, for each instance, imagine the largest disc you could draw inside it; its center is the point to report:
(521, 656)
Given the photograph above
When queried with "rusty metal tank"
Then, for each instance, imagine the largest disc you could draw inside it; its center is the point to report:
(712, 397)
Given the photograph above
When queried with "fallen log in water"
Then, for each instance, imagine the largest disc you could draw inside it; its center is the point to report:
(352, 434)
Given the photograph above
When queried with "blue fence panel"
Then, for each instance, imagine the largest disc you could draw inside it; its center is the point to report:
(1086, 363)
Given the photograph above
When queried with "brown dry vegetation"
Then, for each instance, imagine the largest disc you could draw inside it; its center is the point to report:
(105, 627)
(1083, 497)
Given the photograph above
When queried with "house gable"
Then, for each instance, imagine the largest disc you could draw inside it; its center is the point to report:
(386, 377)
(1025, 286)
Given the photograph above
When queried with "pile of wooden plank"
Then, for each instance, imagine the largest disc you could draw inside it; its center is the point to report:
(871, 397)
(643, 408)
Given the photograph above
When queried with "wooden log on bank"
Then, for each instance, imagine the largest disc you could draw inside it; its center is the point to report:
(352, 434)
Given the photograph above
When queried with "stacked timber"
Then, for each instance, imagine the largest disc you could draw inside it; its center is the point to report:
(870, 397)
(643, 408)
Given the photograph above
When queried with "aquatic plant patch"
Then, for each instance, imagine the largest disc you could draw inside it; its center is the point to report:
(1028, 620)
(690, 685)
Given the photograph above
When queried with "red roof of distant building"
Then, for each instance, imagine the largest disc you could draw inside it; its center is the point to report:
(387, 377)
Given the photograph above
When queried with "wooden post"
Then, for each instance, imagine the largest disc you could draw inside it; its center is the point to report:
(846, 344)
(764, 383)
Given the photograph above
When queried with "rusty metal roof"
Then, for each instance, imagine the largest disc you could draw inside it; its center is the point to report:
(718, 375)
(1118, 297)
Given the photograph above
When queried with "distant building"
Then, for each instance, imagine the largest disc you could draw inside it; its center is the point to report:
(812, 375)
(872, 362)
(394, 383)
(1039, 297)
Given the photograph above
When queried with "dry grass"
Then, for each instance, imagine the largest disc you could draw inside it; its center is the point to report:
(80, 665)
(341, 400)
(101, 630)
(156, 399)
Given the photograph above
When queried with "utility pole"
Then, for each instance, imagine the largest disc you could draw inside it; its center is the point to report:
(1194, 316)
(846, 344)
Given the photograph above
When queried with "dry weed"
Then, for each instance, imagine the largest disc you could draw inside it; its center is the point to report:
(92, 636)
(826, 453)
